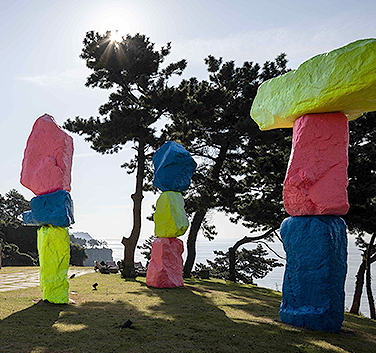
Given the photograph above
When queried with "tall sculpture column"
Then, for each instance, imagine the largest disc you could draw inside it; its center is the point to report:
(317, 100)
(315, 238)
(46, 170)
(173, 170)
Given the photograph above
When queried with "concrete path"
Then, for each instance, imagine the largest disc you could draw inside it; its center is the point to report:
(25, 278)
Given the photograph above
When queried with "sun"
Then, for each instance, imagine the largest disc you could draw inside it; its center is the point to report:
(116, 36)
(118, 25)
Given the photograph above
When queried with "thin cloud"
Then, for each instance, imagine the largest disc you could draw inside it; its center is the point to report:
(299, 42)
(66, 78)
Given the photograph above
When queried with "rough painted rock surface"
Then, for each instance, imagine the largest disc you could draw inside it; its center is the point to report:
(53, 249)
(342, 80)
(316, 179)
(170, 219)
(165, 269)
(173, 167)
(55, 209)
(47, 162)
(316, 263)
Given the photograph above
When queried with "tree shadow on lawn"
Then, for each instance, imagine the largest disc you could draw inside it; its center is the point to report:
(248, 317)
(195, 318)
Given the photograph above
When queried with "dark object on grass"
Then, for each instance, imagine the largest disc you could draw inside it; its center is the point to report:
(127, 324)
(95, 286)
(72, 276)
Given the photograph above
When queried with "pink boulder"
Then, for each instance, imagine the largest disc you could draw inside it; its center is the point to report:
(165, 269)
(47, 162)
(316, 178)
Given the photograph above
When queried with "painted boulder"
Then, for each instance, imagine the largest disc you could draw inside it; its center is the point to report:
(165, 269)
(54, 254)
(316, 179)
(55, 209)
(47, 162)
(170, 219)
(173, 167)
(341, 80)
(313, 293)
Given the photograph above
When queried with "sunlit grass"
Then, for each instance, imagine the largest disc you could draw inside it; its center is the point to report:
(203, 316)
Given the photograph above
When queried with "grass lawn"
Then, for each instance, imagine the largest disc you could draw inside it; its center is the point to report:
(203, 316)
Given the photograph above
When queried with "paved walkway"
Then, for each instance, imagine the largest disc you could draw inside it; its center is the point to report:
(25, 278)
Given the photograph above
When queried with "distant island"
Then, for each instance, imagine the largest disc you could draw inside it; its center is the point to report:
(96, 250)
(82, 235)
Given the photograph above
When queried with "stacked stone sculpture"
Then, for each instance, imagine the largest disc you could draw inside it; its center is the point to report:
(317, 100)
(46, 171)
(173, 170)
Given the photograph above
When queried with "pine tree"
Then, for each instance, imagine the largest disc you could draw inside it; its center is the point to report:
(132, 69)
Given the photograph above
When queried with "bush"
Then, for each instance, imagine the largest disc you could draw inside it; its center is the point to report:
(250, 265)
(13, 257)
(77, 255)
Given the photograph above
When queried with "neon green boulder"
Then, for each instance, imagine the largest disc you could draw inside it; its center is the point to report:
(343, 80)
(170, 219)
(53, 248)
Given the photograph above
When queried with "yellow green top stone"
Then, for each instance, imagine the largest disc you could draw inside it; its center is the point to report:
(343, 80)
(170, 219)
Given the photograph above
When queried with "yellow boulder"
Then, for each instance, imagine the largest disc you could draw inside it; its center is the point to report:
(343, 80)
(53, 249)
(170, 219)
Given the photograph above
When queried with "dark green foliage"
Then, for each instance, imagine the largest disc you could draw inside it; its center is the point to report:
(212, 121)
(11, 256)
(77, 255)
(11, 208)
(96, 244)
(361, 218)
(146, 247)
(132, 68)
(24, 236)
(78, 241)
(250, 265)
(19, 242)
(362, 175)
(260, 205)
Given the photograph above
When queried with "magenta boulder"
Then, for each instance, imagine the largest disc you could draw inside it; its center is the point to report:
(165, 269)
(316, 180)
(47, 162)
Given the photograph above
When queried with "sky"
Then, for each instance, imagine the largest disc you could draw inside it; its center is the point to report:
(42, 73)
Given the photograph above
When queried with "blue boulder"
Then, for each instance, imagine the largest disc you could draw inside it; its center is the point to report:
(173, 167)
(55, 208)
(313, 293)
(28, 219)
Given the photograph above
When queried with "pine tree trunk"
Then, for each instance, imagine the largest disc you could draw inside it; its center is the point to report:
(368, 259)
(369, 294)
(232, 263)
(200, 214)
(131, 242)
(358, 288)
(191, 242)
(368, 279)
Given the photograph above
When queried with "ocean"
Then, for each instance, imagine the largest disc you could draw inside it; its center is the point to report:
(274, 279)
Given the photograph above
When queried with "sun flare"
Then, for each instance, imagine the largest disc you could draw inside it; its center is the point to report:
(116, 36)
(118, 25)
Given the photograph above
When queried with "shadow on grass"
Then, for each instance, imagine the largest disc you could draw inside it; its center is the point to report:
(204, 316)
